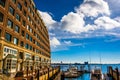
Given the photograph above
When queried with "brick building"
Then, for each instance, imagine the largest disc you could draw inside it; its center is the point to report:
(24, 39)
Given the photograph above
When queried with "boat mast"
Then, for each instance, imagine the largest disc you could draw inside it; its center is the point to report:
(100, 62)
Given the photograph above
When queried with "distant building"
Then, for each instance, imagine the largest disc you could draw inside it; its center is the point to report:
(24, 40)
(86, 63)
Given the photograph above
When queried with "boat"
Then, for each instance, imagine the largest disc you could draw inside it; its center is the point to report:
(72, 72)
(96, 74)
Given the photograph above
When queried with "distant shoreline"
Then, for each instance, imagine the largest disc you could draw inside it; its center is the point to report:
(83, 64)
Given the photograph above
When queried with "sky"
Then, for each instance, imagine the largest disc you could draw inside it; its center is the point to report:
(82, 30)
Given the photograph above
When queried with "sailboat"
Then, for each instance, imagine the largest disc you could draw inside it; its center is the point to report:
(96, 73)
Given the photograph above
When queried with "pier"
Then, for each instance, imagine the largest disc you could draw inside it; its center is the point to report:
(51, 73)
(114, 74)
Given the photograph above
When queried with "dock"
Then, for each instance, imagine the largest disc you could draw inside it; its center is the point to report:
(112, 74)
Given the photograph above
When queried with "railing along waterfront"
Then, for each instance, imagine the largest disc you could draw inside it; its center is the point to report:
(42, 74)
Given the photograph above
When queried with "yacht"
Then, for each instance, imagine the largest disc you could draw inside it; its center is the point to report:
(96, 74)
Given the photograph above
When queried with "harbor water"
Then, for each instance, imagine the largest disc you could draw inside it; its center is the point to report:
(86, 76)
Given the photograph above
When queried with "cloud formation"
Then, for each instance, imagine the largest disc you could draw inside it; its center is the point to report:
(72, 22)
(49, 22)
(74, 25)
(54, 42)
(93, 8)
(107, 23)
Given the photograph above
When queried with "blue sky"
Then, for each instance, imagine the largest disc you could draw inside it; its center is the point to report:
(82, 30)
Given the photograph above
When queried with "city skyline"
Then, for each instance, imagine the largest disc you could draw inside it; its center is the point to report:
(82, 30)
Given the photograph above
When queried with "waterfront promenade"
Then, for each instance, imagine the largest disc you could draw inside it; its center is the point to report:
(52, 73)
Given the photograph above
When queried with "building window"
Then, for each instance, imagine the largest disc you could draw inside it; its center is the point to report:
(29, 19)
(0, 32)
(11, 10)
(1, 17)
(30, 47)
(2, 3)
(29, 9)
(8, 64)
(34, 41)
(23, 23)
(11, 64)
(25, 3)
(32, 13)
(24, 12)
(14, 1)
(15, 41)
(28, 27)
(19, 6)
(8, 37)
(33, 6)
(27, 36)
(27, 46)
(30, 30)
(17, 28)
(10, 23)
(18, 17)
(23, 33)
(14, 62)
(22, 44)
(30, 38)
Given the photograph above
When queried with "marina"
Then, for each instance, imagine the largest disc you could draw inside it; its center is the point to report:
(103, 73)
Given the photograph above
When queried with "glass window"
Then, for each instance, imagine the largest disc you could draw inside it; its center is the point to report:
(25, 3)
(29, 9)
(32, 13)
(23, 33)
(17, 28)
(19, 6)
(15, 41)
(18, 17)
(30, 38)
(30, 30)
(8, 37)
(14, 1)
(2, 3)
(33, 7)
(23, 23)
(24, 12)
(10, 23)
(28, 27)
(27, 36)
(30, 47)
(22, 44)
(11, 10)
(27, 46)
(29, 18)
(34, 41)
(1, 17)
(0, 32)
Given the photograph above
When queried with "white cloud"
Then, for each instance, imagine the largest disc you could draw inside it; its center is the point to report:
(54, 42)
(106, 23)
(92, 8)
(47, 18)
(72, 22)
(68, 42)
